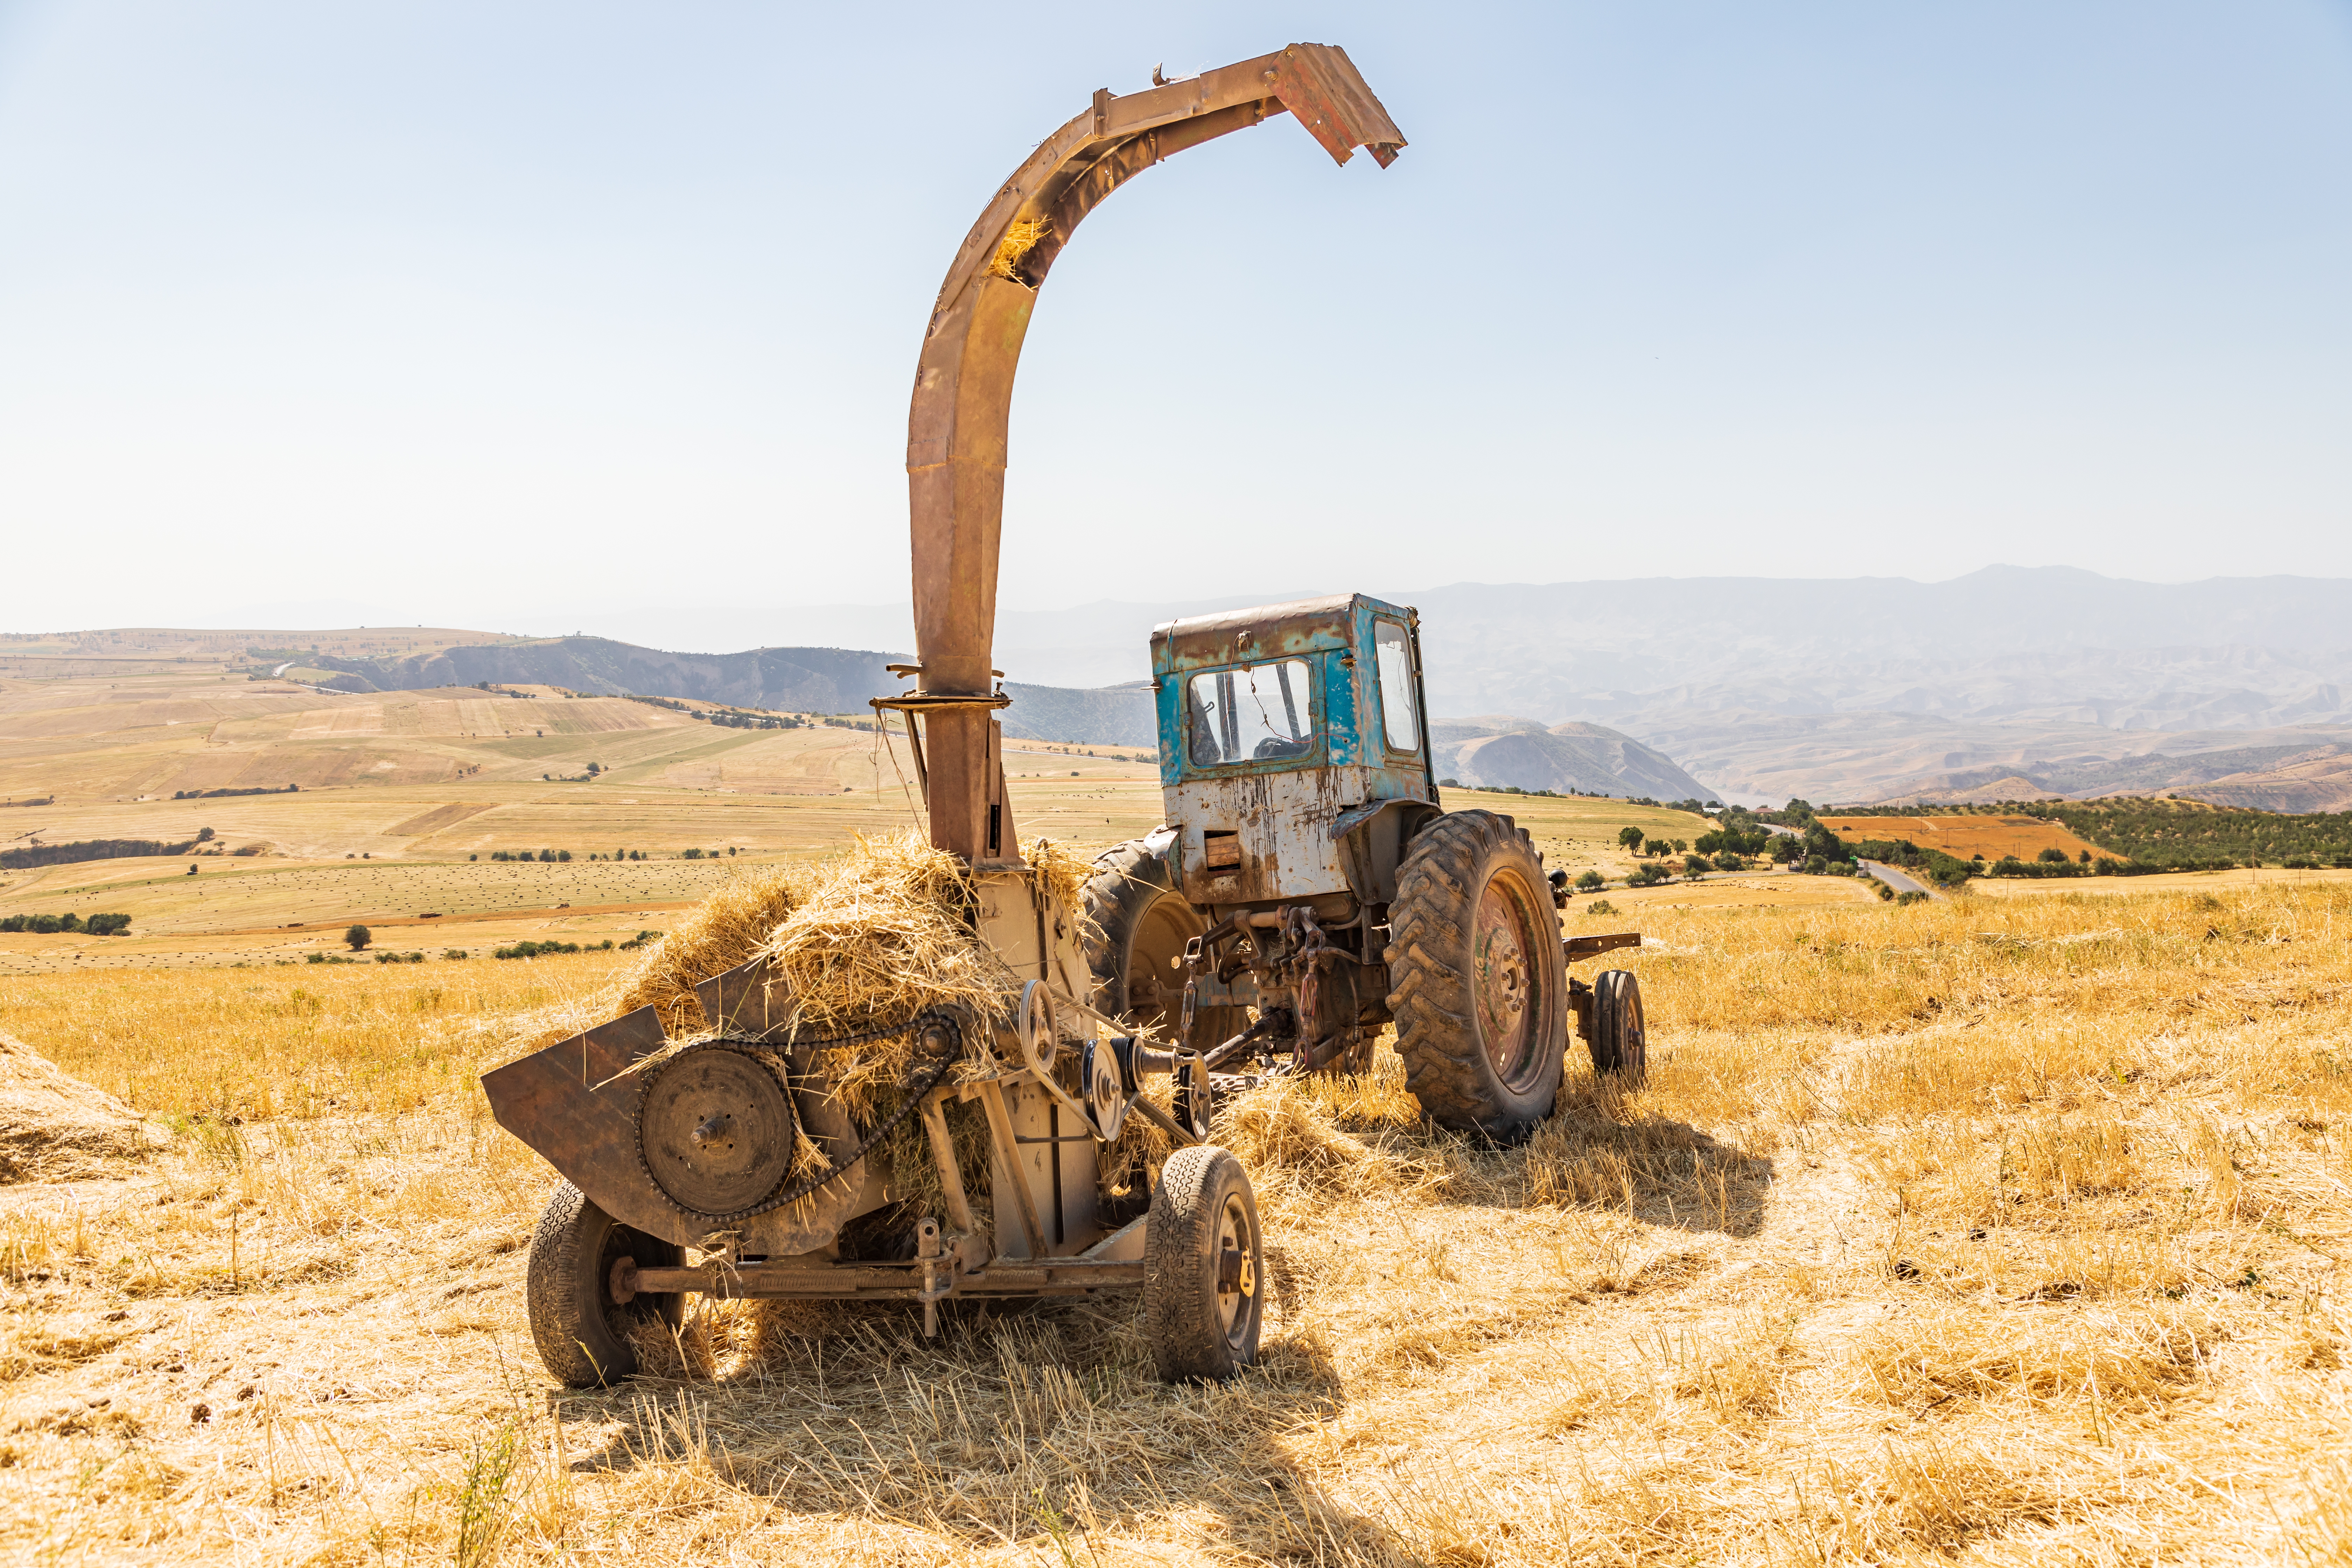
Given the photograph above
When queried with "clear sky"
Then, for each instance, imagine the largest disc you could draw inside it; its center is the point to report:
(513, 315)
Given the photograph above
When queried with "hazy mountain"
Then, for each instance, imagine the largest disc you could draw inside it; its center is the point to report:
(1859, 689)
(1844, 689)
(1582, 757)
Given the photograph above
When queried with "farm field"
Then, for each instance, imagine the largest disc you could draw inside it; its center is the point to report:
(1980, 1231)
(1963, 837)
(2237, 879)
(402, 798)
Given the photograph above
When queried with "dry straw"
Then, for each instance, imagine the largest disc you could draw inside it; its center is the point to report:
(1020, 238)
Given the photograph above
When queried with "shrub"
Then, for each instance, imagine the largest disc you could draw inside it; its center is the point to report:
(453, 952)
(1591, 882)
(108, 925)
(2051, 857)
(533, 949)
(1697, 866)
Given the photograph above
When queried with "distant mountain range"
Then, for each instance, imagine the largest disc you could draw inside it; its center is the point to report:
(2005, 682)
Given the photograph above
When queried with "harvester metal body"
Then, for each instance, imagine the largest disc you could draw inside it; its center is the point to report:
(670, 1146)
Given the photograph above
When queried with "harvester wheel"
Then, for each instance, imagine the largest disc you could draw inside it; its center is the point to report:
(1619, 1047)
(1478, 982)
(1204, 1268)
(583, 1333)
(1138, 924)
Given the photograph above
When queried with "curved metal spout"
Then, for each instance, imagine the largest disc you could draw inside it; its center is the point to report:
(956, 429)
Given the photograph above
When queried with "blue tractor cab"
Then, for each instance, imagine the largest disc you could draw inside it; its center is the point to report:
(1293, 757)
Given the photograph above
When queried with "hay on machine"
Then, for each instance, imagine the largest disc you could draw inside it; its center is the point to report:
(879, 1080)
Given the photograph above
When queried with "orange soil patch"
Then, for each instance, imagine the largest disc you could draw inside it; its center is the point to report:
(1963, 837)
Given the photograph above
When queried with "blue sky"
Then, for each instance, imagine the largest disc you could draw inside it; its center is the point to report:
(518, 316)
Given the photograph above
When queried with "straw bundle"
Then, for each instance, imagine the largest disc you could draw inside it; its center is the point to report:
(726, 929)
(887, 935)
(1018, 241)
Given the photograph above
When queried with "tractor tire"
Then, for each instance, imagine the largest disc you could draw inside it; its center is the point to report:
(582, 1334)
(1620, 1048)
(1204, 1282)
(1138, 924)
(1478, 980)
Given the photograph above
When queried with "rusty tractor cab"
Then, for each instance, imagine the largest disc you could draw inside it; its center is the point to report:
(1308, 887)
(666, 1146)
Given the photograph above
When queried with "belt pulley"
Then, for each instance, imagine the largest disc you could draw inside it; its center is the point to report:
(716, 1127)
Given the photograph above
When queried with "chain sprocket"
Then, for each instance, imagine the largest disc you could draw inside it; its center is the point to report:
(920, 1084)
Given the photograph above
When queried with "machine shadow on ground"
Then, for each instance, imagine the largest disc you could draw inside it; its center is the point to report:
(1020, 1419)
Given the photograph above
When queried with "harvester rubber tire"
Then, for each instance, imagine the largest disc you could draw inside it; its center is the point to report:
(1202, 1313)
(1139, 922)
(1619, 1043)
(582, 1334)
(1478, 980)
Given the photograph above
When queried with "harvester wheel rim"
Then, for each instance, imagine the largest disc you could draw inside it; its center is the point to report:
(715, 1128)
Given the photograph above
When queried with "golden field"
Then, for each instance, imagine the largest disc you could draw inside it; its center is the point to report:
(404, 796)
(1976, 1230)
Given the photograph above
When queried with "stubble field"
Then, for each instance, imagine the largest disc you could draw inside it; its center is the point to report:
(1985, 1231)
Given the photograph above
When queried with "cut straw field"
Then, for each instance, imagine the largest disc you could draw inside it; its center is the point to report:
(1984, 1231)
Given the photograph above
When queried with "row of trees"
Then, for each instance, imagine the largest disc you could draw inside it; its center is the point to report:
(45, 925)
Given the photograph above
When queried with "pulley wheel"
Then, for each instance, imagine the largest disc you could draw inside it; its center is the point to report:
(716, 1129)
(1106, 1094)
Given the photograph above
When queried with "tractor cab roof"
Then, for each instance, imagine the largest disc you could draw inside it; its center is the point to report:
(1268, 631)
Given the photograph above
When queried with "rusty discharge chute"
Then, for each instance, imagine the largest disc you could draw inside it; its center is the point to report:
(956, 429)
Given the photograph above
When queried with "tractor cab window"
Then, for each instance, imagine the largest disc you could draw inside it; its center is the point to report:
(1254, 714)
(1394, 654)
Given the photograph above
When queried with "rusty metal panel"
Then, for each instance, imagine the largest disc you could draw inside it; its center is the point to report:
(571, 1104)
(1058, 1176)
(576, 1104)
(1321, 86)
(1281, 823)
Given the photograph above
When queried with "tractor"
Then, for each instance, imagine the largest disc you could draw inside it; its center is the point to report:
(1309, 887)
(1307, 875)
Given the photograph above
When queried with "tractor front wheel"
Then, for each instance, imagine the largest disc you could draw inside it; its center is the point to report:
(1620, 1043)
(1478, 982)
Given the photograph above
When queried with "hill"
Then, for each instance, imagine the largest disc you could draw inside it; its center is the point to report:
(1501, 752)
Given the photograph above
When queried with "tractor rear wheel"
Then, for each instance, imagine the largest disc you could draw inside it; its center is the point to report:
(1204, 1268)
(1138, 924)
(581, 1332)
(1620, 1048)
(1478, 982)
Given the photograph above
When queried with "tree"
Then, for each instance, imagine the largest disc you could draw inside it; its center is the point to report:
(1697, 866)
(1591, 882)
(2053, 856)
(359, 937)
(203, 835)
(1631, 837)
